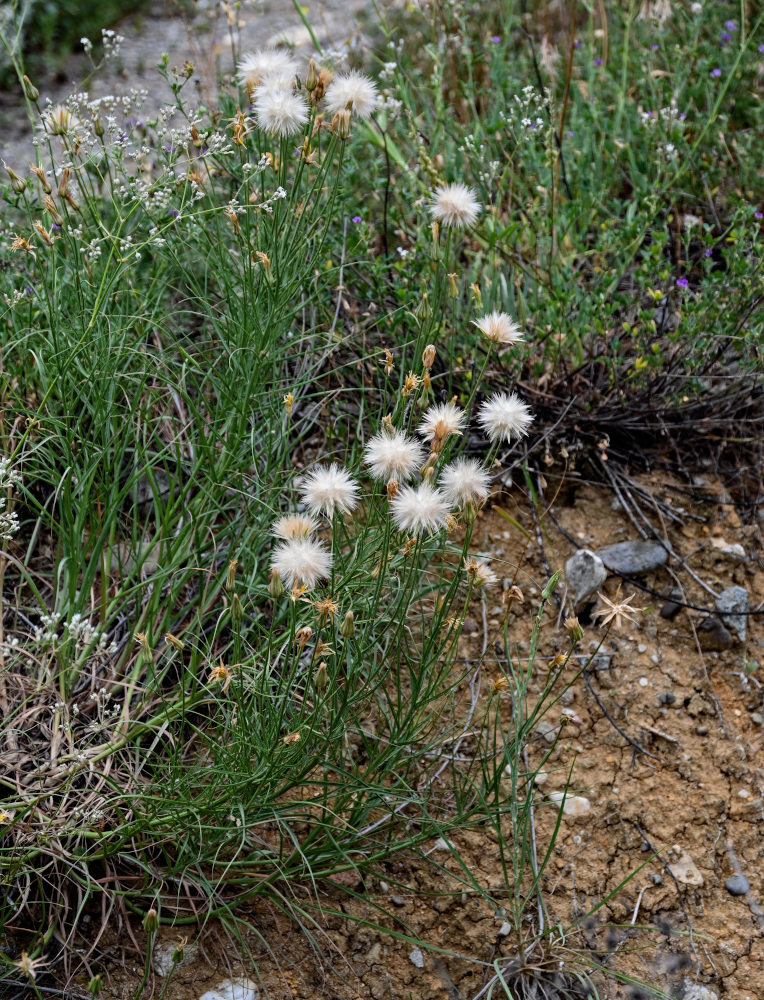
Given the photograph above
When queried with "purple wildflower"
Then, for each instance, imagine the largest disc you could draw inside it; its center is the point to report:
(761, 47)
(682, 282)
(758, 215)
(357, 218)
(654, 47)
(598, 62)
(495, 38)
(726, 36)
(708, 253)
(716, 71)
(730, 26)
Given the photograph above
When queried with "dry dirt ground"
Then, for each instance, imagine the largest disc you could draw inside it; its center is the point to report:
(689, 785)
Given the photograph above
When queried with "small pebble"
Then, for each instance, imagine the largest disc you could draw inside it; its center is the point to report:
(505, 929)
(666, 698)
(641, 648)
(701, 730)
(416, 958)
(757, 719)
(738, 885)
(643, 682)
(656, 879)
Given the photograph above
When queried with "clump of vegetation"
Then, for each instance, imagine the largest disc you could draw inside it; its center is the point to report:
(265, 364)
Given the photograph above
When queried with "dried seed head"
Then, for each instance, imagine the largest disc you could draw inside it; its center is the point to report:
(230, 579)
(392, 489)
(174, 641)
(573, 628)
(303, 636)
(410, 384)
(40, 175)
(428, 356)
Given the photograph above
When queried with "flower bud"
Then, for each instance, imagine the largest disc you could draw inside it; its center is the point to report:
(230, 580)
(145, 653)
(387, 424)
(453, 288)
(237, 610)
(347, 628)
(428, 356)
(478, 296)
(98, 127)
(288, 403)
(311, 80)
(392, 489)
(18, 184)
(95, 986)
(321, 677)
(275, 587)
(52, 211)
(30, 90)
(151, 921)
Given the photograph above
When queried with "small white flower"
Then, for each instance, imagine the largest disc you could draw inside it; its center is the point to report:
(266, 64)
(480, 573)
(455, 205)
(329, 489)
(418, 510)
(440, 421)
(294, 526)
(499, 328)
(280, 112)
(354, 89)
(505, 415)
(465, 480)
(393, 456)
(302, 562)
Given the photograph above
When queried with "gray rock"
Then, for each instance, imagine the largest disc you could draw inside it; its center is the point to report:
(233, 989)
(600, 661)
(585, 573)
(416, 958)
(547, 731)
(694, 991)
(161, 956)
(738, 885)
(733, 603)
(633, 558)
(757, 719)
(671, 608)
(713, 635)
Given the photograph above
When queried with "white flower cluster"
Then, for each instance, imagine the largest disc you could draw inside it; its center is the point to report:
(394, 458)
(78, 630)
(9, 520)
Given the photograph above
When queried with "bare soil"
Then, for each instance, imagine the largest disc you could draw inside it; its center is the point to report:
(690, 781)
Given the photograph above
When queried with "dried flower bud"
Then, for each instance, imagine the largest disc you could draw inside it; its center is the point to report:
(347, 628)
(389, 363)
(291, 739)
(428, 356)
(325, 77)
(230, 579)
(40, 175)
(321, 677)
(302, 636)
(275, 586)
(478, 296)
(387, 424)
(341, 124)
(410, 384)
(392, 489)
(573, 628)
(174, 641)
(53, 212)
(177, 955)
(499, 684)
(453, 288)
(266, 263)
(288, 402)
(145, 653)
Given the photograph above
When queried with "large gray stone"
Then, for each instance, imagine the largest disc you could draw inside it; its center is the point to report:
(732, 603)
(633, 558)
(585, 573)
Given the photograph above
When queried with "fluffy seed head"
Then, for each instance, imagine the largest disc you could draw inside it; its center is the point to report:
(440, 421)
(393, 456)
(455, 205)
(266, 64)
(418, 510)
(302, 562)
(328, 489)
(280, 112)
(294, 526)
(465, 480)
(352, 89)
(505, 416)
(499, 328)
